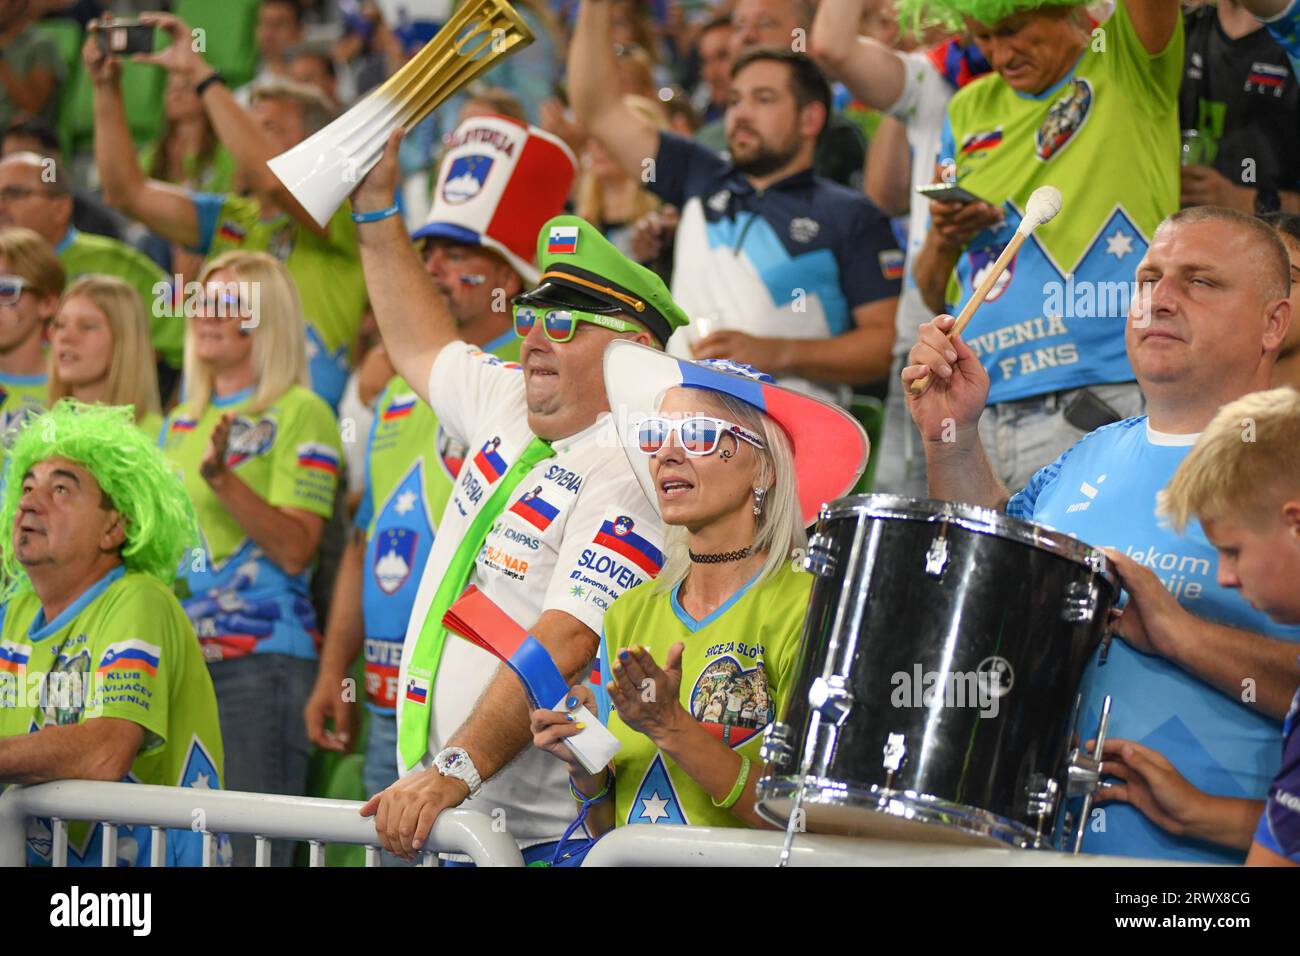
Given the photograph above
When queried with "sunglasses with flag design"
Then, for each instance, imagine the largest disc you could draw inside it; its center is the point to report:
(561, 322)
(698, 435)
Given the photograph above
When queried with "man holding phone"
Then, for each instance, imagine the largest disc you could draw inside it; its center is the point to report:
(1092, 110)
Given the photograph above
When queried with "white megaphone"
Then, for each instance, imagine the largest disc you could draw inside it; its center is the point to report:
(324, 169)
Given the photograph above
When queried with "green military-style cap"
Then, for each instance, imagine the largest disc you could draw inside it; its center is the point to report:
(582, 269)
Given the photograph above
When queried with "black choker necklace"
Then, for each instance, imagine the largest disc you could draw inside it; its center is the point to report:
(722, 557)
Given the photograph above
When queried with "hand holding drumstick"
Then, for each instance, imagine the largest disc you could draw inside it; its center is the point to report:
(1043, 205)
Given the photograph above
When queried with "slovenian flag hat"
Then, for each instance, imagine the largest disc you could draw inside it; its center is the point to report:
(830, 447)
(500, 181)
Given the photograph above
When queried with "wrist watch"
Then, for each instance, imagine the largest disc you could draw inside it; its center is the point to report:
(455, 762)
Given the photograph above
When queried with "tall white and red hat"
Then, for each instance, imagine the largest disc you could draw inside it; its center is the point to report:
(500, 181)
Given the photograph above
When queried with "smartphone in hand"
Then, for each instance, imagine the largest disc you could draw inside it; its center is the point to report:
(123, 38)
(948, 192)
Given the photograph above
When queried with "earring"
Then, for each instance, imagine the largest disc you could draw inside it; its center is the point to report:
(759, 495)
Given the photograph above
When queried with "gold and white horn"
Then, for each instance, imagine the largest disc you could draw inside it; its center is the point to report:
(325, 168)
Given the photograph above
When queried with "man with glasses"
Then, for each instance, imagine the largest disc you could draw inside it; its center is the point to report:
(544, 556)
(480, 253)
(36, 193)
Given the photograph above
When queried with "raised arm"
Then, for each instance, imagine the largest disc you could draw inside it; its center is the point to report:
(595, 96)
(947, 414)
(166, 209)
(872, 71)
(413, 318)
(1156, 20)
(235, 127)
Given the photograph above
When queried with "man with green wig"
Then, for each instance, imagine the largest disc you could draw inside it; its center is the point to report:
(1090, 108)
(101, 676)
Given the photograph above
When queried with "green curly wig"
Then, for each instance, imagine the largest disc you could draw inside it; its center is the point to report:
(922, 14)
(105, 441)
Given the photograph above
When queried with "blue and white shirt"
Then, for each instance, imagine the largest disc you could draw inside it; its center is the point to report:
(1103, 491)
(792, 261)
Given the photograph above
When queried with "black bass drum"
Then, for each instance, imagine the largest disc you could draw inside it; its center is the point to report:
(936, 690)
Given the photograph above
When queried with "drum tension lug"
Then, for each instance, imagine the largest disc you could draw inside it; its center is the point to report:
(830, 698)
(776, 749)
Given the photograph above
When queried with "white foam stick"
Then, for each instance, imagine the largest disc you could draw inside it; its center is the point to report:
(326, 167)
(594, 746)
(1044, 203)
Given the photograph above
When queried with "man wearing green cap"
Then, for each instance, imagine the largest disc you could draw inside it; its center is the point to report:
(546, 517)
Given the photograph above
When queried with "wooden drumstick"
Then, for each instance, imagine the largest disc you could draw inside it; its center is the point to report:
(1044, 203)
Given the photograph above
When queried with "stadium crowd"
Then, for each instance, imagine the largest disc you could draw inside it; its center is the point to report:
(252, 458)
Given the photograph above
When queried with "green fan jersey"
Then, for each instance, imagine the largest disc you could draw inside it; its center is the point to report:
(326, 270)
(1107, 137)
(21, 397)
(736, 674)
(151, 424)
(411, 465)
(83, 253)
(240, 601)
(124, 649)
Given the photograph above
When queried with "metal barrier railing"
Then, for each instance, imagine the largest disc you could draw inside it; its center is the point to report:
(266, 816)
(644, 844)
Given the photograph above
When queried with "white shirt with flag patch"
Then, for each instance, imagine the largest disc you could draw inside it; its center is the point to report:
(576, 533)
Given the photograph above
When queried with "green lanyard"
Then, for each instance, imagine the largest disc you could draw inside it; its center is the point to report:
(413, 730)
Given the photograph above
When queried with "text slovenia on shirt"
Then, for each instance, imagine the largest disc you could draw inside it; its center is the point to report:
(407, 485)
(1107, 137)
(577, 532)
(1103, 491)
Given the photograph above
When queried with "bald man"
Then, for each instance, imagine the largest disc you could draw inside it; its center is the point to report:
(1200, 675)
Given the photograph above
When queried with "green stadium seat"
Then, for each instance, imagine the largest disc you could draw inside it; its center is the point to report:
(66, 34)
(229, 28)
(142, 94)
(870, 413)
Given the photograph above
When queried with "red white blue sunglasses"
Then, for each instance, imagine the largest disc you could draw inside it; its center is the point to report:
(698, 435)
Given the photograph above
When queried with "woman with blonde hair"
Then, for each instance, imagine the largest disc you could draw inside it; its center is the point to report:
(100, 350)
(259, 454)
(31, 281)
(606, 196)
(737, 467)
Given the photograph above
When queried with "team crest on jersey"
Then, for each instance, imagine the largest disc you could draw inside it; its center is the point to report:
(803, 229)
(1064, 120)
(730, 702)
(466, 177)
(248, 440)
(981, 261)
(67, 685)
(719, 200)
(393, 557)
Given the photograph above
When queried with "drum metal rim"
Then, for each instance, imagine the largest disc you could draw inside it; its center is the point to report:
(974, 518)
(906, 804)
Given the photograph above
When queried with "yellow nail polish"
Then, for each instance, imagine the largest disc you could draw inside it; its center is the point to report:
(580, 725)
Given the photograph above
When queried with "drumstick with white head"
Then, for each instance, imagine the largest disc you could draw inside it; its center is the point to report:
(1044, 203)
